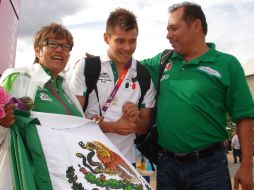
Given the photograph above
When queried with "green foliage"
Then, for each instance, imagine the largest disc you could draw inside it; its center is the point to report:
(77, 186)
(70, 174)
(111, 183)
(128, 187)
(231, 127)
(90, 177)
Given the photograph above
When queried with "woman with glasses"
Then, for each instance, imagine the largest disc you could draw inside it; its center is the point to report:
(41, 82)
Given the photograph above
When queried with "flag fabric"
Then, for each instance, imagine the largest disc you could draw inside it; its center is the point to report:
(20, 157)
(58, 152)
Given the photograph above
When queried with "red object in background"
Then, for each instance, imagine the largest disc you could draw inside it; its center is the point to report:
(9, 16)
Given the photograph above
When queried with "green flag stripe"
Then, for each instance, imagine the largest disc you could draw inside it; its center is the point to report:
(28, 162)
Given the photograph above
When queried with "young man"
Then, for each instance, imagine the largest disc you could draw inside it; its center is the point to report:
(118, 88)
(198, 87)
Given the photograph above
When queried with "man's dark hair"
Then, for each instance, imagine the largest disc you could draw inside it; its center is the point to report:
(192, 11)
(122, 18)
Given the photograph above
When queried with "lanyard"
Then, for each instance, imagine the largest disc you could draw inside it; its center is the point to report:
(68, 112)
(116, 87)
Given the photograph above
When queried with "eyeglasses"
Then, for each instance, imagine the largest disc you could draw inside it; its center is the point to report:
(54, 44)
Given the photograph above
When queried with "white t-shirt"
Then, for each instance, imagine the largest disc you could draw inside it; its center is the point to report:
(128, 91)
(235, 142)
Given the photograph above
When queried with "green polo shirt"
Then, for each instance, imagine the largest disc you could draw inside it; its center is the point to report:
(195, 97)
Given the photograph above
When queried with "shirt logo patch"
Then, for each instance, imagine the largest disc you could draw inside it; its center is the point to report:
(164, 77)
(210, 71)
(104, 77)
(168, 67)
(45, 97)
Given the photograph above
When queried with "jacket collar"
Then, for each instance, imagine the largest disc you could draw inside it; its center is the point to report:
(38, 74)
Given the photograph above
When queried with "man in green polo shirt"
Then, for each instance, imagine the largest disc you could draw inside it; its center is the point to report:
(199, 86)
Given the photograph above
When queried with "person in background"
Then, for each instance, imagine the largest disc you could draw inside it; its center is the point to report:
(236, 148)
(122, 118)
(41, 82)
(198, 87)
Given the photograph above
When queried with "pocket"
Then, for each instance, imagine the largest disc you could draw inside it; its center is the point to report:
(162, 157)
(217, 159)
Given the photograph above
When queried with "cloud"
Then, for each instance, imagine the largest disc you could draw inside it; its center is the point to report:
(229, 25)
(34, 14)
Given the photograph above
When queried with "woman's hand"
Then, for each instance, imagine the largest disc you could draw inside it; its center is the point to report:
(9, 118)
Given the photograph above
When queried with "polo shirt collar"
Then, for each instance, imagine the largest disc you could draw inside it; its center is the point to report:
(50, 73)
(105, 58)
(208, 57)
(59, 78)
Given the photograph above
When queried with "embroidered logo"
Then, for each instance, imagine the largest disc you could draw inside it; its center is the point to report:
(164, 77)
(210, 71)
(131, 85)
(104, 77)
(168, 67)
(45, 97)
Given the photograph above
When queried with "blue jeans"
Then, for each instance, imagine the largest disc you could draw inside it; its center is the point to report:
(236, 153)
(210, 173)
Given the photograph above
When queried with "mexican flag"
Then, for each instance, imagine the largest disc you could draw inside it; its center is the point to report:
(60, 152)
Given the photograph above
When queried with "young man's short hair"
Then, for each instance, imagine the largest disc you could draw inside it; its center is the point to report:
(122, 18)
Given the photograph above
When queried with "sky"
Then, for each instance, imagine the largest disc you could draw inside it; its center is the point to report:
(230, 25)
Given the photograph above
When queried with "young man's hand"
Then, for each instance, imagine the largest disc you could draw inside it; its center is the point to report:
(131, 112)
